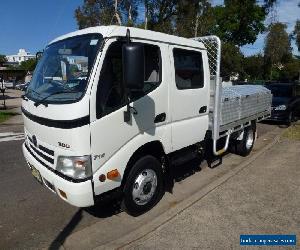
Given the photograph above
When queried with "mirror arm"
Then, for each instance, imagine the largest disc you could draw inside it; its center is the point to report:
(127, 115)
(127, 112)
(128, 36)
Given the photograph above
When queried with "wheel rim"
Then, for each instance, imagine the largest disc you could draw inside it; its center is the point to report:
(290, 117)
(250, 140)
(144, 187)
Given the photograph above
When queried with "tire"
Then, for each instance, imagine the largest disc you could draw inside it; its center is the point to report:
(244, 147)
(144, 186)
(290, 119)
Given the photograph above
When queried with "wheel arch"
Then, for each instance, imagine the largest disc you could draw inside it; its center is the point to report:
(154, 148)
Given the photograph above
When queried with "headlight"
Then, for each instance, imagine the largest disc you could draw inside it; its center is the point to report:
(77, 167)
(280, 107)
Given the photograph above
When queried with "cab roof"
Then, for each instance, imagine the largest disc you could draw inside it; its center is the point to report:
(120, 31)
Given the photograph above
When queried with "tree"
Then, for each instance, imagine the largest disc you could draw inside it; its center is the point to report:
(231, 61)
(106, 12)
(296, 34)
(160, 14)
(94, 12)
(290, 71)
(2, 60)
(239, 22)
(277, 46)
(194, 18)
(28, 65)
(253, 67)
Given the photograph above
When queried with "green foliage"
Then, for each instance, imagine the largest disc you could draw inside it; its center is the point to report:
(239, 22)
(2, 59)
(236, 22)
(231, 61)
(277, 45)
(296, 33)
(194, 18)
(28, 65)
(290, 71)
(94, 12)
(160, 15)
(277, 49)
(5, 116)
(102, 12)
(253, 67)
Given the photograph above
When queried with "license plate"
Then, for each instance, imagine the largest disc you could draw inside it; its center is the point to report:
(36, 174)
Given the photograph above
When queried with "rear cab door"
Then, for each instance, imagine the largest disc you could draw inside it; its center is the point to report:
(189, 95)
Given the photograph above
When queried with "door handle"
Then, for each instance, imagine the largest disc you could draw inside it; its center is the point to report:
(203, 109)
(160, 118)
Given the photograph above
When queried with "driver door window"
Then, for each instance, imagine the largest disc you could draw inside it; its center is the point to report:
(110, 91)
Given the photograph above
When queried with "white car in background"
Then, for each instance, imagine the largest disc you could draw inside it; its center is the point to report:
(9, 85)
(22, 86)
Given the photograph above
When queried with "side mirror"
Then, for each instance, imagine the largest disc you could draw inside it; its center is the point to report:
(38, 55)
(133, 66)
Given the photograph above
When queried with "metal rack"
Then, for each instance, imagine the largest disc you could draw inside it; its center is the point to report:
(213, 47)
(231, 108)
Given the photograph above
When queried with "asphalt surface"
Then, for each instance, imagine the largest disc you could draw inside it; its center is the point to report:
(33, 217)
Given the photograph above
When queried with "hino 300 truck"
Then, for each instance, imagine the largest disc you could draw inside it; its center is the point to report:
(115, 108)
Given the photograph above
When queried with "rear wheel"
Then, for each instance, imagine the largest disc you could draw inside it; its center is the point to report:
(290, 119)
(143, 187)
(245, 145)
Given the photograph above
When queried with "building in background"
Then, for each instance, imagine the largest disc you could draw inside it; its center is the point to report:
(22, 56)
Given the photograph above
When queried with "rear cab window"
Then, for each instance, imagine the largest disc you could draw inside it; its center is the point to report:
(188, 66)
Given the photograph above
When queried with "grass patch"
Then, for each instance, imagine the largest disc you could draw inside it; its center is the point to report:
(5, 116)
(293, 132)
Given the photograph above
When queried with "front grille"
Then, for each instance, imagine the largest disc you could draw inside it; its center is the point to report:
(41, 152)
(46, 150)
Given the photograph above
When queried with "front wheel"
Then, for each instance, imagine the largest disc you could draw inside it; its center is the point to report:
(143, 187)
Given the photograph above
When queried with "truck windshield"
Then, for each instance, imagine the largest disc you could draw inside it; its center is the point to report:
(62, 73)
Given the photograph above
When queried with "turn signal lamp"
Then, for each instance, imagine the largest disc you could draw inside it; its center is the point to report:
(111, 175)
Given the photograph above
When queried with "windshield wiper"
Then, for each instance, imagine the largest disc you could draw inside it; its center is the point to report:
(25, 97)
(31, 90)
(42, 101)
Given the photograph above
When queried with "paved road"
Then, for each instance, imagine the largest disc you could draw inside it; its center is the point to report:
(33, 217)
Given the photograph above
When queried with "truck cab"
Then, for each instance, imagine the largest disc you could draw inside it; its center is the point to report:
(106, 107)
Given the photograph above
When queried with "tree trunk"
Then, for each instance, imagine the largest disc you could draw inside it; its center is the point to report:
(130, 14)
(116, 13)
(196, 25)
(146, 15)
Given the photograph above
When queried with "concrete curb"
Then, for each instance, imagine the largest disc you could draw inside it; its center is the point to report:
(150, 228)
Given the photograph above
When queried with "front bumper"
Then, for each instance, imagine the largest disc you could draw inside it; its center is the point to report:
(78, 194)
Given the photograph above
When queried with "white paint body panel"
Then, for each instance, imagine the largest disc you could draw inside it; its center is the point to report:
(118, 140)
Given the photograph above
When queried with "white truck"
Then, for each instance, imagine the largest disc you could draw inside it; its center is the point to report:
(112, 109)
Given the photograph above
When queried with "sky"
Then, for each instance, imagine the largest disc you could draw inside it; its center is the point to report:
(31, 24)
